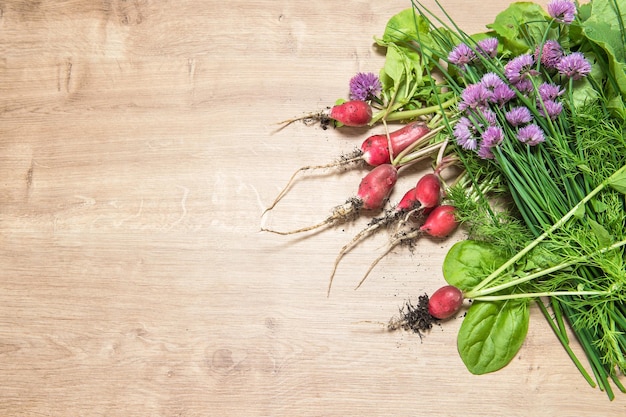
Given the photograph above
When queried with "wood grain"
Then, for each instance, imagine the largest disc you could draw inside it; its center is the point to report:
(137, 153)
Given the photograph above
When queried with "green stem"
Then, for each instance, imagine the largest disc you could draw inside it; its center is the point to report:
(562, 336)
(474, 294)
(548, 232)
(537, 295)
(411, 114)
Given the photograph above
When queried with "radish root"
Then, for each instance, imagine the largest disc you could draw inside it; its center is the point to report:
(342, 213)
(398, 238)
(344, 160)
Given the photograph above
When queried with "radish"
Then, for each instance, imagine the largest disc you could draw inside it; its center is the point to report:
(425, 195)
(374, 151)
(380, 149)
(445, 302)
(353, 113)
(372, 194)
(439, 223)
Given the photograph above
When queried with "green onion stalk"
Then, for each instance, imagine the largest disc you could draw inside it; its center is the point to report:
(544, 109)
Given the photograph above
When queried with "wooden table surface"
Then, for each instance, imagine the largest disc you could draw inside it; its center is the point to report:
(137, 153)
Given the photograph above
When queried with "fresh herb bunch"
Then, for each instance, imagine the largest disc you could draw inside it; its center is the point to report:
(540, 108)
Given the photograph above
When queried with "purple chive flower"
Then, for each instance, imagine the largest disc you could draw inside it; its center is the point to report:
(364, 86)
(574, 66)
(461, 55)
(549, 91)
(563, 11)
(524, 85)
(474, 96)
(502, 94)
(488, 47)
(551, 53)
(519, 68)
(552, 108)
(531, 135)
(491, 81)
(463, 133)
(489, 116)
(518, 116)
(485, 152)
(492, 136)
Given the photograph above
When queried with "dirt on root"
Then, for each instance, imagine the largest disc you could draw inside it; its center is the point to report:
(413, 317)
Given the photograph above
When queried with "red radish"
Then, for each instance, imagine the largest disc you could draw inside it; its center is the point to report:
(378, 149)
(353, 113)
(440, 222)
(445, 302)
(425, 195)
(428, 190)
(372, 194)
(374, 151)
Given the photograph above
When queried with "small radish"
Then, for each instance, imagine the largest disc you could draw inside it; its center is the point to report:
(440, 222)
(378, 149)
(372, 194)
(445, 302)
(374, 151)
(428, 190)
(353, 113)
(425, 195)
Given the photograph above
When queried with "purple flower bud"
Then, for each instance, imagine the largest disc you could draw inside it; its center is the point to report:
(563, 11)
(519, 68)
(531, 135)
(551, 53)
(502, 94)
(549, 91)
(463, 134)
(488, 47)
(518, 116)
(461, 55)
(474, 96)
(552, 108)
(492, 136)
(485, 152)
(364, 86)
(574, 66)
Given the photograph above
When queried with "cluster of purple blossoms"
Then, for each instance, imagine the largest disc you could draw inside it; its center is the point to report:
(549, 54)
(562, 11)
(364, 86)
(463, 54)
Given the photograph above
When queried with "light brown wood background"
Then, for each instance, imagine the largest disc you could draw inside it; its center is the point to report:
(137, 153)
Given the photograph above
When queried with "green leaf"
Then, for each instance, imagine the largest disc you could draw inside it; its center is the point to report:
(603, 28)
(603, 235)
(403, 27)
(492, 334)
(515, 24)
(469, 261)
(619, 183)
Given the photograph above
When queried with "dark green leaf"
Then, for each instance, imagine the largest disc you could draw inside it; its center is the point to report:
(469, 261)
(492, 334)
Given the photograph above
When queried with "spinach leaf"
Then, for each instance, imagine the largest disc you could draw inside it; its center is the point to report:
(491, 334)
(469, 261)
